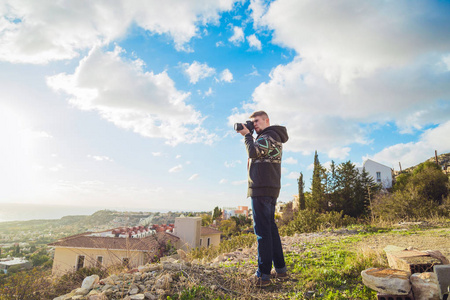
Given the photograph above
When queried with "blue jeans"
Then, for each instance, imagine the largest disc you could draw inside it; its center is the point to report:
(266, 231)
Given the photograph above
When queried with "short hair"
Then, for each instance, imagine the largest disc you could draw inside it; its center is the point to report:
(259, 113)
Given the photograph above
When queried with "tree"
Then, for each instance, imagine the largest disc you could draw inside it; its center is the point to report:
(216, 213)
(431, 183)
(318, 187)
(301, 194)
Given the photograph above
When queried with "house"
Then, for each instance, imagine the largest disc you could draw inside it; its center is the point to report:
(20, 262)
(193, 235)
(228, 212)
(381, 174)
(209, 237)
(131, 247)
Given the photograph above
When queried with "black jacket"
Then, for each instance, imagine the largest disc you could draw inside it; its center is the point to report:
(264, 165)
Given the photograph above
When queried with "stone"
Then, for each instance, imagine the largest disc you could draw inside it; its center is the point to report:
(438, 255)
(163, 282)
(443, 276)
(88, 282)
(133, 291)
(182, 254)
(81, 291)
(137, 297)
(101, 296)
(410, 260)
(425, 286)
(387, 281)
(150, 296)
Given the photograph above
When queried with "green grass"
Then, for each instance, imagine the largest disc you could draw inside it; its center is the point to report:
(327, 270)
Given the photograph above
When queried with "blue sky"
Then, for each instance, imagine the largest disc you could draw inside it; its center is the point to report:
(131, 104)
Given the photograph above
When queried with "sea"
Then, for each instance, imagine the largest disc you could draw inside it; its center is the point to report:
(26, 211)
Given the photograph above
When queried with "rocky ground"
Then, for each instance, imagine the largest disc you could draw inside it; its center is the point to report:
(226, 275)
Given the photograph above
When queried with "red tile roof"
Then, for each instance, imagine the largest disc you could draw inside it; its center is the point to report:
(209, 230)
(148, 243)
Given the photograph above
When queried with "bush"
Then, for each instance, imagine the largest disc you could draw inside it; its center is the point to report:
(304, 221)
(235, 242)
(73, 280)
(26, 285)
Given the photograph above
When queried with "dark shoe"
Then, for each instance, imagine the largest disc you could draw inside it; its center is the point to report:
(279, 276)
(258, 282)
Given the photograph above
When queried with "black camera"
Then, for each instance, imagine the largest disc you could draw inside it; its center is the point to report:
(248, 124)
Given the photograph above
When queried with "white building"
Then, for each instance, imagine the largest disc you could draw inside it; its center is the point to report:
(9, 262)
(381, 174)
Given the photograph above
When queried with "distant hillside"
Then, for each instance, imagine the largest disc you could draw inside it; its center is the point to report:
(443, 161)
(47, 231)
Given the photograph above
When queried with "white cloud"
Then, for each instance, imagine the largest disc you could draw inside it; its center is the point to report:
(147, 103)
(254, 42)
(193, 177)
(226, 76)
(39, 32)
(232, 164)
(100, 158)
(156, 153)
(238, 35)
(293, 175)
(197, 71)
(254, 72)
(338, 152)
(223, 181)
(239, 182)
(290, 161)
(359, 68)
(176, 169)
(178, 156)
(208, 93)
(413, 153)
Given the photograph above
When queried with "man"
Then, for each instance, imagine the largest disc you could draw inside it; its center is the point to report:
(264, 174)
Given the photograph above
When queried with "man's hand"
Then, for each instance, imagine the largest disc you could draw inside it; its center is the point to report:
(244, 131)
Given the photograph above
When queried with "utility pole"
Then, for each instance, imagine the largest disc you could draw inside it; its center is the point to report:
(400, 164)
(435, 157)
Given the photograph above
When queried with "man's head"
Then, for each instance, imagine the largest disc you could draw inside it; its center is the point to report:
(260, 120)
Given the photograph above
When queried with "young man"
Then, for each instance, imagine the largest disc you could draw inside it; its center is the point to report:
(264, 175)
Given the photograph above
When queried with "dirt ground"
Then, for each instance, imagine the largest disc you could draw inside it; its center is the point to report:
(424, 239)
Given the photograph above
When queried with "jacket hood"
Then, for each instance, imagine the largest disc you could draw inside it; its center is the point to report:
(280, 130)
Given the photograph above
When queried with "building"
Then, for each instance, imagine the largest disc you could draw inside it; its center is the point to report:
(193, 235)
(130, 247)
(381, 174)
(20, 262)
(228, 212)
(209, 237)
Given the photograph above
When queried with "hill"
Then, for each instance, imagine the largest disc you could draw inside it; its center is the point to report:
(443, 162)
(47, 231)
(321, 265)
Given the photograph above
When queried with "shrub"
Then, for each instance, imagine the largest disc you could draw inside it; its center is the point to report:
(304, 221)
(73, 280)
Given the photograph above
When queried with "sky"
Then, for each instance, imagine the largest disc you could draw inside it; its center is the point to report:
(131, 104)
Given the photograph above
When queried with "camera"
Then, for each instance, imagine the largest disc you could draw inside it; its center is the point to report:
(248, 124)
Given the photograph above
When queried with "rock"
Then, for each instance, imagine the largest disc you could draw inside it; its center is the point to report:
(172, 266)
(134, 290)
(182, 254)
(425, 286)
(81, 291)
(150, 296)
(137, 297)
(438, 255)
(163, 282)
(219, 258)
(101, 296)
(89, 282)
(387, 281)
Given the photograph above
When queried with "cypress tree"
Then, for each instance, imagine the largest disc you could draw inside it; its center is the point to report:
(301, 194)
